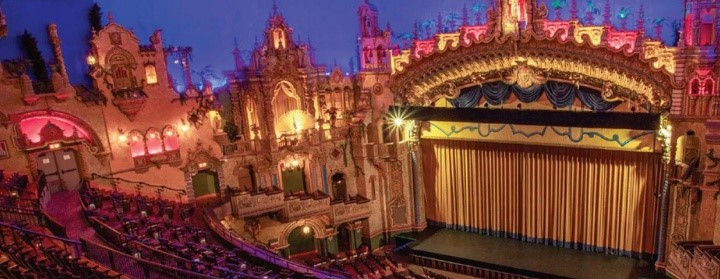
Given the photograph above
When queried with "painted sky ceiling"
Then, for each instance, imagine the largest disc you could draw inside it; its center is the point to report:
(210, 27)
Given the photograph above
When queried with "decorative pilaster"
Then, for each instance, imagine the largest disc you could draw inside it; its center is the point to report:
(57, 50)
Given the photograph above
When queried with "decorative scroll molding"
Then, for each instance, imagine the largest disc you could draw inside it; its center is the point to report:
(342, 212)
(247, 204)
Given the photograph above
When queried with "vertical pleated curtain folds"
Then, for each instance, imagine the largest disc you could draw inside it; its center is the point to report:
(596, 200)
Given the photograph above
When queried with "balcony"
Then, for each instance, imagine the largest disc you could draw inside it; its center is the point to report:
(354, 209)
(242, 147)
(301, 205)
(247, 204)
(168, 157)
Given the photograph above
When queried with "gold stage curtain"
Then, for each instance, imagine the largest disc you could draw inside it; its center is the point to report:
(588, 199)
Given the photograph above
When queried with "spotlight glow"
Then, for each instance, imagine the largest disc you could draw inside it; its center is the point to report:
(398, 121)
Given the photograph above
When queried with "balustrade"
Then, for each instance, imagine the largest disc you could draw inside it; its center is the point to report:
(248, 204)
(298, 207)
(356, 209)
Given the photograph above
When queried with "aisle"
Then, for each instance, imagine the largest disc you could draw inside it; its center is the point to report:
(65, 208)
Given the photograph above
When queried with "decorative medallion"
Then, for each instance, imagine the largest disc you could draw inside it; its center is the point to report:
(377, 89)
(336, 153)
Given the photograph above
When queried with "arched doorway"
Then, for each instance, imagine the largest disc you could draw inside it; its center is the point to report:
(205, 182)
(60, 167)
(344, 238)
(293, 176)
(302, 242)
(246, 178)
(339, 186)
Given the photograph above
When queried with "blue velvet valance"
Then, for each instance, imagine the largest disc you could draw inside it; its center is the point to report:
(560, 94)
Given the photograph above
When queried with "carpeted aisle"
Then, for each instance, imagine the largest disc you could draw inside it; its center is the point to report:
(65, 208)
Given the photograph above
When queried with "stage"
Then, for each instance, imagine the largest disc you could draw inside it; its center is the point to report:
(495, 257)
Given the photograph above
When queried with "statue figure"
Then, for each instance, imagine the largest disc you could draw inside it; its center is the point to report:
(687, 154)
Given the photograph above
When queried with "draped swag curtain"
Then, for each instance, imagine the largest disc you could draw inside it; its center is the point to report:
(577, 198)
(561, 95)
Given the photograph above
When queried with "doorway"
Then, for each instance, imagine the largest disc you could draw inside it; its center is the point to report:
(205, 183)
(344, 238)
(302, 242)
(60, 168)
(339, 187)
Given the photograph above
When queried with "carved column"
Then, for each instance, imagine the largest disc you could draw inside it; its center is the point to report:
(55, 41)
(190, 190)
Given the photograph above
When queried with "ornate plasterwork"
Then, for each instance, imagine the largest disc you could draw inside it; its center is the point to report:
(633, 77)
(592, 33)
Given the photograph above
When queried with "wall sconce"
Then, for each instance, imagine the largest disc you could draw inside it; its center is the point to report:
(122, 137)
(91, 60)
(184, 126)
(55, 145)
(293, 165)
(306, 230)
(202, 165)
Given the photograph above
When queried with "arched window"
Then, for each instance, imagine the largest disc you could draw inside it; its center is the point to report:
(279, 38)
(694, 88)
(137, 144)
(380, 54)
(153, 141)
(284, 101)
(707, 27)
(150, 74)
(708, 87)
(170, 139)
(121, 64)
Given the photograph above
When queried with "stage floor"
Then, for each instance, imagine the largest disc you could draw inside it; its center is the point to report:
(524, 258)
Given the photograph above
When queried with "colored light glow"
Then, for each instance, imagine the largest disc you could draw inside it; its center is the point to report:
(306, 230)
(31, 127)
(169, 133)
(122, 138)
(184, 127)
(154, 143)
(398, 121)
(55, 146)
(91, 60)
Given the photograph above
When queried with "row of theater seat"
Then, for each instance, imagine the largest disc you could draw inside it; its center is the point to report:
(164, 226)
(26, 255)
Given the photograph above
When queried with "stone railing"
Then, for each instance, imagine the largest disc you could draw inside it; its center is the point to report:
(250, 204)
(705, 262)
(680, 257)
(242, 147)
(350, 210)
(152, 160)
(298, 207)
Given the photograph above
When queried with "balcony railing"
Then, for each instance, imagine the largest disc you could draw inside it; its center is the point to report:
(680, 257)
(305, 205)
(242, 147)
(706, 262)
(354, 209)
(246, 204)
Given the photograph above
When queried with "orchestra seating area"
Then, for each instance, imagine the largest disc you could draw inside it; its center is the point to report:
(147, 227)
(33, 253)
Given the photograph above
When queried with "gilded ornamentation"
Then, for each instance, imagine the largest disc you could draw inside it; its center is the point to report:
(592, 33)
(664, 56)
(620, 39)
(554, 27)
(446, 40)
(524, 76)
(585, 65)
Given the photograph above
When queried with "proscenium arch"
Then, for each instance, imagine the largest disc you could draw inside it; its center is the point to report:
(630, 76)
